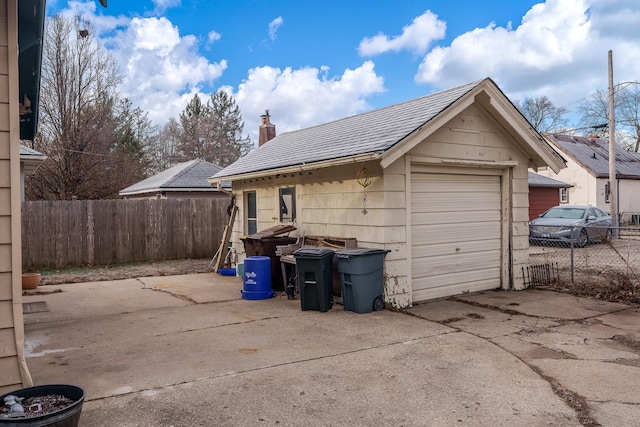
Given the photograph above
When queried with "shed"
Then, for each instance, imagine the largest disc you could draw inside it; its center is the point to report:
(30, 161)
(545, 193)
(184, 180)
(441, 181)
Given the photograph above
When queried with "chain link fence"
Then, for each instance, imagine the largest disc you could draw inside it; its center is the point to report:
(605, 260)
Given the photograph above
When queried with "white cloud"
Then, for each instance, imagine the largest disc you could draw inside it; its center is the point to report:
(161, 66)
(162, 5)
(304, 97)
(416, 37)
(273, 27)
(213, 36)
(558, 50)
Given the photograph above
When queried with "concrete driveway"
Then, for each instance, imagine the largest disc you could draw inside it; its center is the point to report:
(188, 351)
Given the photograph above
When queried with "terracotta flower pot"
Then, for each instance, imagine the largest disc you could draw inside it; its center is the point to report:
(30, 280)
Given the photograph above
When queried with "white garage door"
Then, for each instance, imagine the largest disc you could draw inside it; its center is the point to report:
(455, 234)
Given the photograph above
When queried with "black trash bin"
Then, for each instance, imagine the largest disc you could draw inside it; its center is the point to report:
(361, 274)
(314, 278)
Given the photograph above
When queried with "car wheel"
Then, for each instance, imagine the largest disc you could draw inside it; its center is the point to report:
(583, 239)
(608, 235)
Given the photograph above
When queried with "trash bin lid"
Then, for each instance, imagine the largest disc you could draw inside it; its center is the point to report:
(312, 252)
(347, 253)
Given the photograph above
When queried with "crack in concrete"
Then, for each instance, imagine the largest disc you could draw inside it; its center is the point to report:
(575, 401)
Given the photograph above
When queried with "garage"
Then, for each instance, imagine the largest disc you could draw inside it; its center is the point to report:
(455, 233)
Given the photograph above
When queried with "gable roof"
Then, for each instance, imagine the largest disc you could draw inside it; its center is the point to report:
(593, 155)
(370, 135)
(536, 180)
(186, 176)
(30, 159)
(27, 152)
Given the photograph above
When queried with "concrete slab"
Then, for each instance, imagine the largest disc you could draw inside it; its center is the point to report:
(479, 321)
(616, 414)
(581, 347)
(187, 350)
(429, 381)
(595, 380)
(96, 298)
(545, 304)
(198, 288)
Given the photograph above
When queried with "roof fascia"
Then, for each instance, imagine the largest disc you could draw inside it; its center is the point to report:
(497, 103)
(421, 133)
(305, 167)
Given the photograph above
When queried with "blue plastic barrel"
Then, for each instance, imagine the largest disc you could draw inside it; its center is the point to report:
(257, 278)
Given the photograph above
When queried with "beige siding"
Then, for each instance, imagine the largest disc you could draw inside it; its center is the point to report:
(328, 202)
(12, 364)
(585, 188)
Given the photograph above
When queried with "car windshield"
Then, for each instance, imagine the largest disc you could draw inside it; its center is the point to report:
(568, 213)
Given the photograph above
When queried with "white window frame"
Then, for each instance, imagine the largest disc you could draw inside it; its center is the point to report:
(564, 195)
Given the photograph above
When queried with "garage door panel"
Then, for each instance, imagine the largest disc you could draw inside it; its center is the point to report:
(456, 226)
(454, 217)
(437, 234)
(436, 250)
(485, 276)
(450, 202)
(454, 289)
(453, 263)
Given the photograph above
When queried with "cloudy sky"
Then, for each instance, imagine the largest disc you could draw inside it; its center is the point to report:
(312, 62)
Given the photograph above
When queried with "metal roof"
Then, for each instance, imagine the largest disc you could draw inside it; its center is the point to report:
(536, 180)
(593, 155)
(371, 132)
(186, 176)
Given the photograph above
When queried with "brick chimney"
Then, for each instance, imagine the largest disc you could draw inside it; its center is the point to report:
(267, 129)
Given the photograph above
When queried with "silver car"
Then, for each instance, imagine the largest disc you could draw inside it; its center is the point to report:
(571, 224)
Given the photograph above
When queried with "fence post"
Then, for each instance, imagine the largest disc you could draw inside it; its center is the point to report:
(572, 269)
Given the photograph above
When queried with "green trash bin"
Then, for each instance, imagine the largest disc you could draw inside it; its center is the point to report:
(362, 277)
(314, 278)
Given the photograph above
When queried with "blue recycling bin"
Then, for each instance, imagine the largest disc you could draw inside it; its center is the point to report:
(362, 278)
(315, 278)
(256, 278)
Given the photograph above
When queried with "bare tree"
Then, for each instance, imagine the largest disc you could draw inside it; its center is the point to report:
(83, 124)
(164, 150)
(542, 114)
(595, 114)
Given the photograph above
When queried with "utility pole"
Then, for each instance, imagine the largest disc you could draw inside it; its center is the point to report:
(613, 181)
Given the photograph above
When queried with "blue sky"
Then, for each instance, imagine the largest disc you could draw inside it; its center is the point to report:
(312, 62)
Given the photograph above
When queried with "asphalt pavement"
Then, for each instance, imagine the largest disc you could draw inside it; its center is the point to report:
(189, 351)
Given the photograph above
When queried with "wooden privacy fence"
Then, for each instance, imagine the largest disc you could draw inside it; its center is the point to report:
(57, 234)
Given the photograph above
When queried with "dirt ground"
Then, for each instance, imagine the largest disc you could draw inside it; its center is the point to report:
(617, 289)
(125, 271)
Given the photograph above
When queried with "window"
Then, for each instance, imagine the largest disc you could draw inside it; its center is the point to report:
(606, 193)
(564, 195)
(287, 204)
(252, 212)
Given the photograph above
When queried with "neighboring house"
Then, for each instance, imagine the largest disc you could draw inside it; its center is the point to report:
(588, 172)
(184, 180)
(544, 193)
(441, 181)
(21, 35)
(30, 160)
